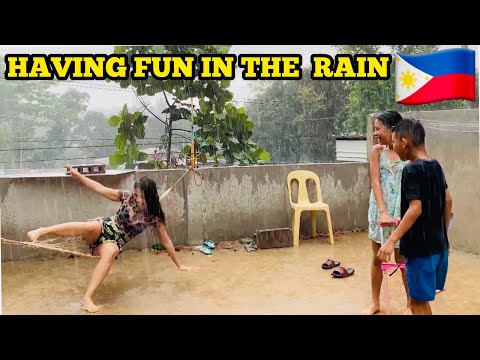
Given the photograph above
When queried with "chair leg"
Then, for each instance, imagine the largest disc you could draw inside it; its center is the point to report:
(313, 216)
(330, 229)
(293, 223)
(296, 228)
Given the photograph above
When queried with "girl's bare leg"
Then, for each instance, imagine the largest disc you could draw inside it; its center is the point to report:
(376, 277)
(107, 253)
(89, 230)
(400, 259)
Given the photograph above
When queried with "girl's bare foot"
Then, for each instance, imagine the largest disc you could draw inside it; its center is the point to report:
(371, 310)
(89, 306)
(408, 312)
(34, 235)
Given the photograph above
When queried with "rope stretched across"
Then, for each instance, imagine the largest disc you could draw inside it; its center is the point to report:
(176, 182)
(70, 246)
(191, 167)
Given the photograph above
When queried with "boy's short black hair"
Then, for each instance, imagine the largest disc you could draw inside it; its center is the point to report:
(411, 129)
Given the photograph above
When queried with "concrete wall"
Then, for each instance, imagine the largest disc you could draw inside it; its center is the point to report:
(228, 204)
(452, 138)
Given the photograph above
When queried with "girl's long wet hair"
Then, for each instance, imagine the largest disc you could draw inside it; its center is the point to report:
(149, 190)
(389, 119)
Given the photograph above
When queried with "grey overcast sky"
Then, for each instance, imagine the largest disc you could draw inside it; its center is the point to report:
(109, 97)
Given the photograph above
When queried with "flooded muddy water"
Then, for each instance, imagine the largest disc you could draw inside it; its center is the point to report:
(274, 281)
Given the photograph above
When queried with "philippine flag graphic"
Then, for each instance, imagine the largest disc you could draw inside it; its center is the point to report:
(437, 76)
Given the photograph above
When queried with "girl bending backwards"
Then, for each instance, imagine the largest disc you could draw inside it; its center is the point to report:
(107, 236)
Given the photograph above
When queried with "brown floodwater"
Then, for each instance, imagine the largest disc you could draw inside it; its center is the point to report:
(274, 281)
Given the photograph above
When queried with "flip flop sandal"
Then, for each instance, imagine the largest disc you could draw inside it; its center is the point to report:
(157, 247)
(204, 249)
(210, 244)
(341, 272)
(330, 264)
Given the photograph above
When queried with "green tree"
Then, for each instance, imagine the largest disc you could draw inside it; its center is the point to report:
(233, 128)
(23, 105)
(130, 128)
(366, 97)
(215, 107)
(36, 120)
(93, 137)
(289, 114)
(63, 125)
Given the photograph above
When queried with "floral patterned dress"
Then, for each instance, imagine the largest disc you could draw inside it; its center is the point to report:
(390, 181)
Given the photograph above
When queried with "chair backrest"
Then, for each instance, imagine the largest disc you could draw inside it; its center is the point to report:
(302, 176)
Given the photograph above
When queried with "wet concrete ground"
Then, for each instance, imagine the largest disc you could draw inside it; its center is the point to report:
(275, 281)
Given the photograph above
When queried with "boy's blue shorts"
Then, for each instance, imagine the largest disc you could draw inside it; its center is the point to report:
(425, 275)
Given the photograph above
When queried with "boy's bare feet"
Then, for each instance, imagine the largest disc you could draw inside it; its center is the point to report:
(371, 310)
(34, 235)
(89, 306)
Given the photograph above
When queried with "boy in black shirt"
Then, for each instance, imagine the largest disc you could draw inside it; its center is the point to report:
(426, 207)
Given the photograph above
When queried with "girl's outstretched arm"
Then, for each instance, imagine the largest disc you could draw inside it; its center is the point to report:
(107, 192)
(168, 245)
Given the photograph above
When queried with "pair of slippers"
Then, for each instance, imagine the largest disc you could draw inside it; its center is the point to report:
(207, 247)
(339, 271)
